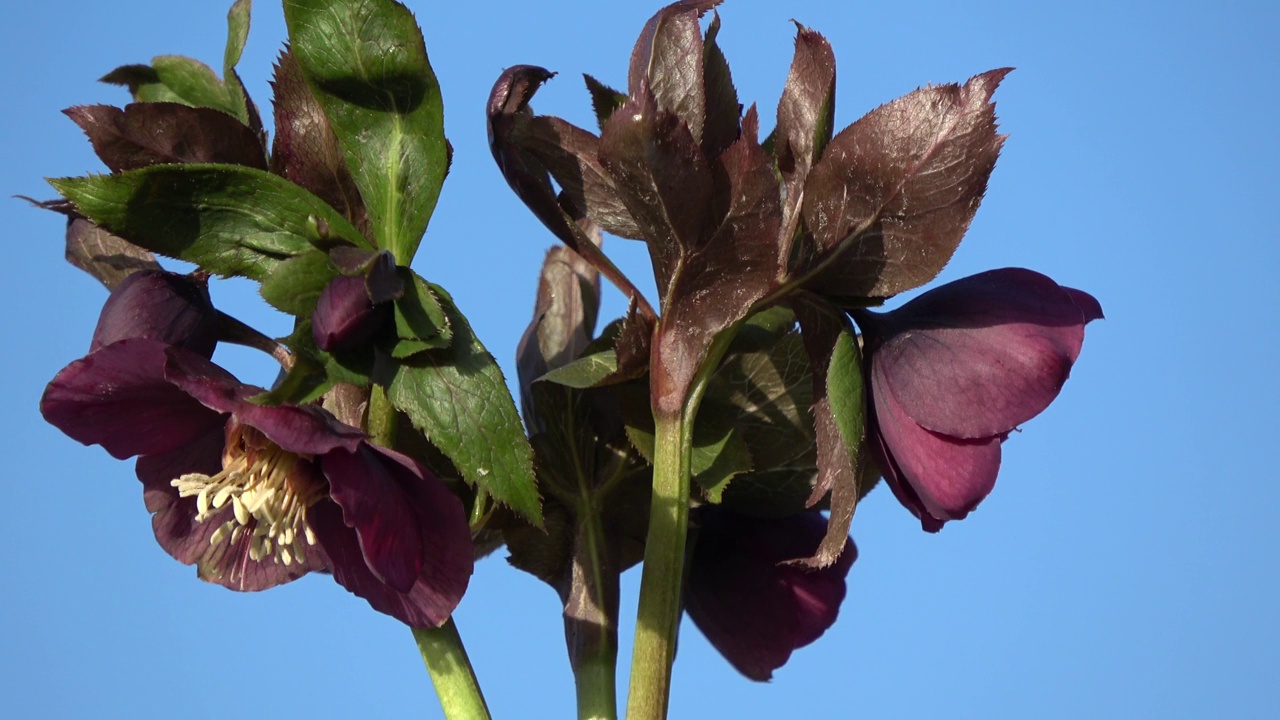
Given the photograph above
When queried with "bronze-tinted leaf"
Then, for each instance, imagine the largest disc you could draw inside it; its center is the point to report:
(894, 193)
(662, 178)
(152, 133)
(838, 421)
(604, 99)
(723, 111)
(306, 150)
(667, 59)
(107, 257)
(718, 282)
(806, 114)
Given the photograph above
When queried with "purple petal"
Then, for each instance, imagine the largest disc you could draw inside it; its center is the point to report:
(345, 317)
(977, 357)
(949, 476)
(303, 430)
(157, 305)
(447, 557)
(117, 397)
(188, 541)
(753, 605)
(368, 489)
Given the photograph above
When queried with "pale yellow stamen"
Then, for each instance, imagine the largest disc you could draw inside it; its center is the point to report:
(269, 499)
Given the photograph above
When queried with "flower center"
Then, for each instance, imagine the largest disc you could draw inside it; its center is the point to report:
(269, 490)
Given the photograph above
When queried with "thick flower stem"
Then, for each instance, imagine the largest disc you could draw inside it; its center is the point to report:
(451, 673)
(590, 621)
(658, 621)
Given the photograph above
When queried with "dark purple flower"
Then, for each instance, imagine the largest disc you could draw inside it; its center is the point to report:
(156, 305)
(754, 605)
(958, 368)
(257, 496)
(345, 317)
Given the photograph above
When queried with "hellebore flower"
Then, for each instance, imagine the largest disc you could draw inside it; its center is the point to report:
(345, 316)
(958, 368)
(171, 308)
(257, 496)
(752, 604)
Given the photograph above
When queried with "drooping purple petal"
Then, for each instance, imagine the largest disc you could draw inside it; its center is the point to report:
(447, 556)
(367, 488)
(170, 308)
(188, 541)
(753, 605)
(977, 357)
(304, 430)
(950, 476)
(118, 398)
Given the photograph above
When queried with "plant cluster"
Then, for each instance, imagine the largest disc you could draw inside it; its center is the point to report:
(722, 438)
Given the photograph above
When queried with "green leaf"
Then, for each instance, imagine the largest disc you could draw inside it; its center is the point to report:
(228, 219)
(237, 36)
(585, 372)
(846, 392)
(296, 284)
(366, 62)
(314, 371)
(718, 455)
(458, 398)
(195, 84)
(421, 323)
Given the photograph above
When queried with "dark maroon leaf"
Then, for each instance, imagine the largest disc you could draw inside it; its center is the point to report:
(662, 178)
(894, 193)
(719, 281)
(667, 59)
(107, 257)
(571, 155)
(306, 149)
(723, 111)
(632, 347)
(563, 320)
(604, 99)
(806, 114)
(151, 133)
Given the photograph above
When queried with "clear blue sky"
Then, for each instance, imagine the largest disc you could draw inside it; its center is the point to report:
(1124, 567)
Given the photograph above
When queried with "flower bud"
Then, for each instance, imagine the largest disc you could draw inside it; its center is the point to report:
(345, 317)
(163, 306)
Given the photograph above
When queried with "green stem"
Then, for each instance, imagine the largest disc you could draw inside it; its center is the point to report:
(451, 673)
(658, 621)
(441, 648)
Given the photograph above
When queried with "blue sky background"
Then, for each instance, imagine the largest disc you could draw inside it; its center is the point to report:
(1124, 567)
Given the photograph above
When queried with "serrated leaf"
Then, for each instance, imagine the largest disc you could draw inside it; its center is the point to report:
(458, 399)
(604, 99)
(839, 416)
(237, 36)
(723, 110)
(585, 372)
(295, 285)
(717, 456)
(895, 192)
(367, 64)
(107, 257)
(421, 322)
(667, 59)
(305, 150)
(806, 113)
(195, 84)
(152, 133)
(228, 219)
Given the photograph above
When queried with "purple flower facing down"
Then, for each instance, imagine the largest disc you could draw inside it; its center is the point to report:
(752, 604)
(257, 496)
(345, 317)
(174, 309)
(957, 369)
